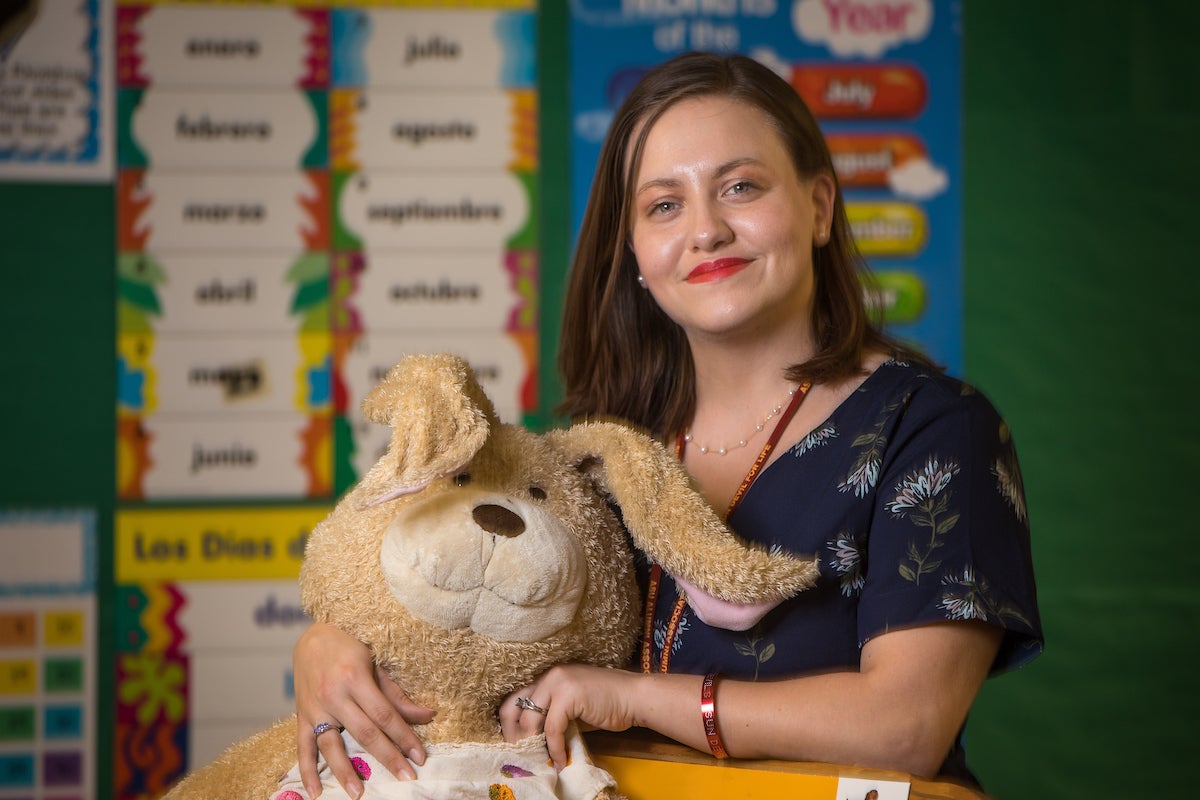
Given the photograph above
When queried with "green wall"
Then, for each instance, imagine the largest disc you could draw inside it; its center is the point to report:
(1082, 135)
(58, 371)
(1082, 129)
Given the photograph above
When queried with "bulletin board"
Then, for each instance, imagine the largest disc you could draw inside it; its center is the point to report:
(304, 194)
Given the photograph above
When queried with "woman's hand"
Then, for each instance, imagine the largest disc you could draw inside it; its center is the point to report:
(595, 697)
(337, 683)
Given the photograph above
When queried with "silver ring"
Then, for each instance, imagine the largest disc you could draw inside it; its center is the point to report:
(326, 726)
(528, 704)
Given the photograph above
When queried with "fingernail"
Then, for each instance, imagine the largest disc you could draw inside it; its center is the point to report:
(417, 756)
(355, 791)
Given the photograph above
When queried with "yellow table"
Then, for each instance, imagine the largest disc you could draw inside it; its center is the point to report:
(651, 768)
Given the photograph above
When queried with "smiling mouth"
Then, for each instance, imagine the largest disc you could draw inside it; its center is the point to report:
(716, 270)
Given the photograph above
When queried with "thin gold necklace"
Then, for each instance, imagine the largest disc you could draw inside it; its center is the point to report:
(759, 427)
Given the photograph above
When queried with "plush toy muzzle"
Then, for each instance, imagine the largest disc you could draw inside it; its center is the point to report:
(500, 565)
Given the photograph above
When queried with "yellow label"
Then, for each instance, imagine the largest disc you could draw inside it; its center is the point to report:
(18, 677)
(888, 229)
(212, 543)
(64, 628)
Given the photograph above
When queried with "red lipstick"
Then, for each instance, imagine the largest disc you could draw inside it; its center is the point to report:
(716, 270)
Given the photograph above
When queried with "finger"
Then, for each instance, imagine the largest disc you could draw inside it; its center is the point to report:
(512, 722)
(533, 715)
(556, 737)
(398, 729)
(510, 719)
(413, 712)
(329, 743)
(363, 723)
(334, 749)
(306, 747)
(383, 733)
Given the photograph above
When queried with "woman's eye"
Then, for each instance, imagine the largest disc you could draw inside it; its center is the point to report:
(741, 187)
(537, 493)
(462, 479)
(661, 207)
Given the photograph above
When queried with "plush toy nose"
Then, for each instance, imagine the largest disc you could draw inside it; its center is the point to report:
(498, 520)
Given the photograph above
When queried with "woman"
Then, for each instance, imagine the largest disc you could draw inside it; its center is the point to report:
(716, 299)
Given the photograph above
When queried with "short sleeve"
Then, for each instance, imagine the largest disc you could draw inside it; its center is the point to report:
(949, 538)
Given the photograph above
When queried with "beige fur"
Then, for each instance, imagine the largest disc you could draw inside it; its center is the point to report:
(449, 457)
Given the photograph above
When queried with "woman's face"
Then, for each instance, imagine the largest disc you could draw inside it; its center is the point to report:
(723, 227)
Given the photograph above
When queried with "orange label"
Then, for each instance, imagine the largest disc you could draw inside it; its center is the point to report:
(864, 160)
(855, 91)
(17, 629)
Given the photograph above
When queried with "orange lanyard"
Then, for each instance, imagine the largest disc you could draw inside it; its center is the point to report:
(656, 571)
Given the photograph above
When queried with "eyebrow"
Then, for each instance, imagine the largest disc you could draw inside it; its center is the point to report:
(671, 183)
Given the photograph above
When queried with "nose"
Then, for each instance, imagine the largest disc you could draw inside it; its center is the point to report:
(709, 228)
(498, 520)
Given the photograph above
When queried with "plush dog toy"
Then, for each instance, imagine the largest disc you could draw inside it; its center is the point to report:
(473, 556)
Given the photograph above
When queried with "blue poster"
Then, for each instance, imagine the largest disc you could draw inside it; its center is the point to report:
(884, 79)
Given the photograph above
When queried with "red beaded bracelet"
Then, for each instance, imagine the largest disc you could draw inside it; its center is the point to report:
(708, 713)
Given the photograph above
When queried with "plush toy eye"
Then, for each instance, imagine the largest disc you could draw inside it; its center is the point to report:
(537, 493)
(462, 479)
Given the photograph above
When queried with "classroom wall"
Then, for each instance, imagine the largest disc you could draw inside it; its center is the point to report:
(1081, 162)
(1081, 127)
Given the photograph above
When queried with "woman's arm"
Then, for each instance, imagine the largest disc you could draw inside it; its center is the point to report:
(337, 682)
(901, 710)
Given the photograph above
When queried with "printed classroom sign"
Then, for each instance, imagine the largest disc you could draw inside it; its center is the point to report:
(223, 229)
(55, 95)
(305, 196)
(47, 654)
(208, 611)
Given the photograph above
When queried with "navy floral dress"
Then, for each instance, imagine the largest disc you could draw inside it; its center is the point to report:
(911, 496)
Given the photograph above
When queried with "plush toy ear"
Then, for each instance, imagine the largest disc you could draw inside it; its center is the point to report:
(440, 417)
(672, 523)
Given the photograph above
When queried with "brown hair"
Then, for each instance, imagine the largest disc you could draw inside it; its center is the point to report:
(619, 354)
